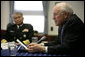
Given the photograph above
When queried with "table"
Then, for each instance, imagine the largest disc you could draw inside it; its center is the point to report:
(5, 52)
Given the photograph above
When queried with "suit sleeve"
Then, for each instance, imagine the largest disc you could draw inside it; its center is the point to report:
(72, 39)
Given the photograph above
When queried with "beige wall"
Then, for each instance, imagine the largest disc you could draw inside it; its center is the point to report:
(51, 21)
(5, 11)
(78, 7)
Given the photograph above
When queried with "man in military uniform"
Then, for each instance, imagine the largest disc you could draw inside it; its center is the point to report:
(18, 30)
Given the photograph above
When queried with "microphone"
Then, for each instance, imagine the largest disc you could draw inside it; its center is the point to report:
(43, 38)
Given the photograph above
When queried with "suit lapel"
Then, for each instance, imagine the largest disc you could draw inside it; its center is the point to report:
(61, 30)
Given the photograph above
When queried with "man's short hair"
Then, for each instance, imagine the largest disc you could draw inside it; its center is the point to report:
(19, 13)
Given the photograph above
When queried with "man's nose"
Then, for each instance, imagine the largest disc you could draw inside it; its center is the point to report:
(17, 19)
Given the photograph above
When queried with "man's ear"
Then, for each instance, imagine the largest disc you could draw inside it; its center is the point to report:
(66, 15)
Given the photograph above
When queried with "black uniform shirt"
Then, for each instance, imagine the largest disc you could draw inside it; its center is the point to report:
(22, 33)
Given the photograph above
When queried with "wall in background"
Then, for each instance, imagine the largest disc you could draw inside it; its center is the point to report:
(5, 12)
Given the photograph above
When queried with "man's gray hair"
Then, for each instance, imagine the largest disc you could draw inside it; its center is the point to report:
(64, 7)
(19, 13)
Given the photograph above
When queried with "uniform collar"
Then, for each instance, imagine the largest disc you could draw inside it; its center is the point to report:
(19, 25)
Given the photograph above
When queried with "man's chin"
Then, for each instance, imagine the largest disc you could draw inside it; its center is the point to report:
(18, 23)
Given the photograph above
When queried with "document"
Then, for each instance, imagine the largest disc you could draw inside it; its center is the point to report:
(21, 43)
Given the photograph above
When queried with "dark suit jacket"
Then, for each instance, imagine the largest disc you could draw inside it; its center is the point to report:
(13, 33)
(72, 38)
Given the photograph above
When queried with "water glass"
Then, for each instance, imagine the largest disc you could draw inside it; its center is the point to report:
(12, 48)
(34, 39)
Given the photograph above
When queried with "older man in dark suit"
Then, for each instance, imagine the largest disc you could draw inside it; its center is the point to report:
(70, 34)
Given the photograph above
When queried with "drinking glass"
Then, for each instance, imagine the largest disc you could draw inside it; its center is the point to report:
(12, 48)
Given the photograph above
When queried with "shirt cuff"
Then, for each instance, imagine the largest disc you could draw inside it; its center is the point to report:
(42, 44)
(46, 47)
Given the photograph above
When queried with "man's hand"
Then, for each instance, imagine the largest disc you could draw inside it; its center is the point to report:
(33, 47)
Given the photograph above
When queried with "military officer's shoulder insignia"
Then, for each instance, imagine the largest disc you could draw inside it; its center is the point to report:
(25, 30)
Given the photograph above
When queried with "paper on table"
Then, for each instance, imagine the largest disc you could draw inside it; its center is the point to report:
(4, 45)
(21, 43)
